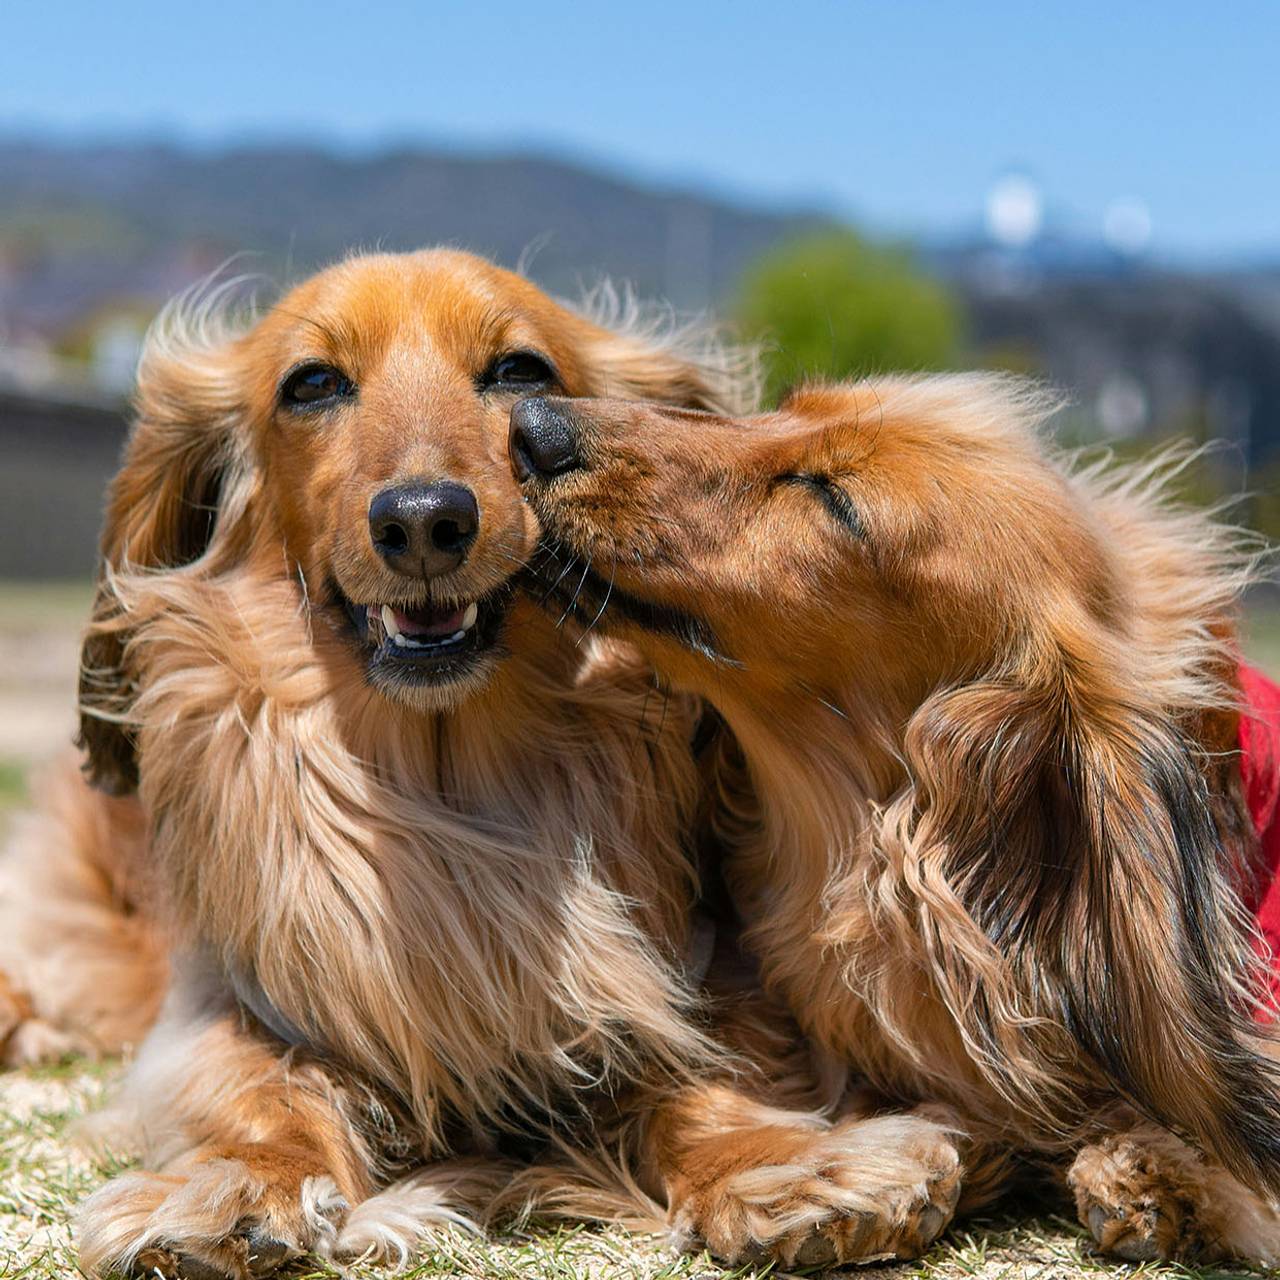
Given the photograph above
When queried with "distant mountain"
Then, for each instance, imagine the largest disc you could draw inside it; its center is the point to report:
(80, 224)
(94, 237)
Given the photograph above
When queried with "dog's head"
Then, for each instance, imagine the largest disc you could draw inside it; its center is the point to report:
(354, 438)
(901, 581)
(891, 531)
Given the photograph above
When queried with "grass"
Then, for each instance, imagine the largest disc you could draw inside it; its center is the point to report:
(13, 784)
(43, 1174)
(1262, 638)
(52, 603)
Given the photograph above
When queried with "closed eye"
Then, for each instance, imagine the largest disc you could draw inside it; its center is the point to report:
(832, 496)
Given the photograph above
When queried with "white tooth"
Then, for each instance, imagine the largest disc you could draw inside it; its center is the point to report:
(469, 618)
(389, 621)
(399, 639)
(457, 635)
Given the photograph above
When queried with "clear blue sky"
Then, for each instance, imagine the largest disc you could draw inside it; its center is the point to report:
(898, 114)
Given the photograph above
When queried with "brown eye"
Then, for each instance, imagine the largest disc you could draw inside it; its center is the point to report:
(311, 385)
(519, 369)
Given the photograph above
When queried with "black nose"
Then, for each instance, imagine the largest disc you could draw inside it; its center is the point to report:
(424, 530)
(543, 440)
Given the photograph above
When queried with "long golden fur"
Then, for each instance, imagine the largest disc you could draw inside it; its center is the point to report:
(980, 811)
(405, 921)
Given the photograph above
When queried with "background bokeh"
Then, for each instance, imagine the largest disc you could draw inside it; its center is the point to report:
(1084, 192)
(1088, 194)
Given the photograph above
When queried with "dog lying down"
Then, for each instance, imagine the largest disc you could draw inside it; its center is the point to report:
(413, 867)
(983, 812)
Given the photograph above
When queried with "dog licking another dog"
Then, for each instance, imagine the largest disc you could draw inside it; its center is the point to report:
(532, 783)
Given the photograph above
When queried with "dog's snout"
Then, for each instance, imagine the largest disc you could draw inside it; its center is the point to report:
(543, 440)
(424, 530)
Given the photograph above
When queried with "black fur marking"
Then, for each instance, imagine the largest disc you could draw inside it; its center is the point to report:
(110, 748)
(195, 532)
(1247, 1086)
(1050, 853)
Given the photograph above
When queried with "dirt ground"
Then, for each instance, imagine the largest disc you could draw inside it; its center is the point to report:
(39, 651)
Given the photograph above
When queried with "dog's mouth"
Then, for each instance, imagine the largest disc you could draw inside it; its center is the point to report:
(564, 582)
(427, 643)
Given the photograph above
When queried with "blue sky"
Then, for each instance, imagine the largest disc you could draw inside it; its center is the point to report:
(897, 114)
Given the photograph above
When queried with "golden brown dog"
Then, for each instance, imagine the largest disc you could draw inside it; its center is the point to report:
(986, 826)
(417, 864)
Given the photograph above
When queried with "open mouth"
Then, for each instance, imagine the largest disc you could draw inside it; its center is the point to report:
(427, 643)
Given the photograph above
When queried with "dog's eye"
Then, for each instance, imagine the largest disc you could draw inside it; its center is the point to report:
(832, 496)
(314, 384)
(519, 369)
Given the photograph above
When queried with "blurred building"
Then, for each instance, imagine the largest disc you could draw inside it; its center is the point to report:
(59, 451)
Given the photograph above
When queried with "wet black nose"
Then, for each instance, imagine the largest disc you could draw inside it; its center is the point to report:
(424, 530)
(543, 440)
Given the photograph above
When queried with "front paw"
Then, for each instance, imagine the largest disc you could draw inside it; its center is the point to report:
(1143, 1197)
(863, 1191)
(28, 1041)
(213, 1219)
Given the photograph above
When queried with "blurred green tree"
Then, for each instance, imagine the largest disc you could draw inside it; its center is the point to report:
(833, 305)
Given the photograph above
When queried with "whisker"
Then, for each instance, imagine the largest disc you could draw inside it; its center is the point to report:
(554, 587)
(603, 604)
(573, 603)
(817, 697)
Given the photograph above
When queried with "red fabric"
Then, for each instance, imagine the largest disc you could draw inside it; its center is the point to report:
(1260, 769)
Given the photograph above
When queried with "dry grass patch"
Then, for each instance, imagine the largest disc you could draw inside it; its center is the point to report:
(44, 1175)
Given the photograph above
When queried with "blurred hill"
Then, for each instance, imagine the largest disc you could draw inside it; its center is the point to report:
(90, 225)
(93, 238)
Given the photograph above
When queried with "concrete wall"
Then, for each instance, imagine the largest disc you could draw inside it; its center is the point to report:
(55, 461)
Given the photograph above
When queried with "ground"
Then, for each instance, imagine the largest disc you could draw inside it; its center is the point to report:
(43, 1172)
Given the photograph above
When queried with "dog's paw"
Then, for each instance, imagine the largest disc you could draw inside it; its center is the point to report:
(215, 1219)
(863, 1191)
(29, 1041)
(1143, 1196)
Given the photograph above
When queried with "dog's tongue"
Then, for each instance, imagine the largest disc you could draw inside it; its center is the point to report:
(427, 621)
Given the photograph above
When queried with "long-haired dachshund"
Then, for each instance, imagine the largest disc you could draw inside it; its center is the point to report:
(983, 809)
(413, 867)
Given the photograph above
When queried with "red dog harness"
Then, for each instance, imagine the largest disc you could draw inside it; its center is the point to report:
(1260, 769)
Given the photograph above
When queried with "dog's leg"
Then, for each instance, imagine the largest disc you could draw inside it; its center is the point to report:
(255, 1155)
(1146, 1195)
(755, 1168)
(82, 966)
(754, 1182)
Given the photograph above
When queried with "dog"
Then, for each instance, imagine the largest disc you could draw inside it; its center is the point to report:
(982, 808)
(412, 871)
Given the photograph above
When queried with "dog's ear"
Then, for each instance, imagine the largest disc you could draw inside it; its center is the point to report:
(1081, 866)
(631, 370)
(636, 353)
(178, 499)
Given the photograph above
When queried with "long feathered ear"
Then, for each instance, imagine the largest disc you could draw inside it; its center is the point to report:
(178, 499)
(1086, 897)
(645, 353)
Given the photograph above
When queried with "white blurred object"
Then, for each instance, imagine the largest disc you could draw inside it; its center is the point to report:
(1122, 405)
(1015, 211)
(27, 363)
(117, 344)
(1126, 225)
